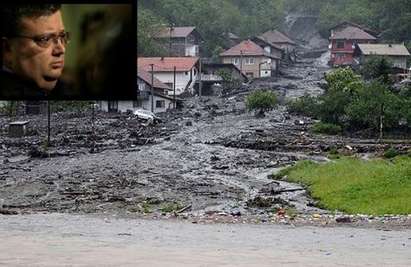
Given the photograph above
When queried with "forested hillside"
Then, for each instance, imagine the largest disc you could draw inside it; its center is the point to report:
(214, 18)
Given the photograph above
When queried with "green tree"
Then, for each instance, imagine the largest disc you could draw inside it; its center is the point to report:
(261, 101)
(342, 85)
(377, 68)
(371, 103)
(147, 26)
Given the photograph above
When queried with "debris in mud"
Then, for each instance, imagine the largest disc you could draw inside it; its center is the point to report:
(262, 202)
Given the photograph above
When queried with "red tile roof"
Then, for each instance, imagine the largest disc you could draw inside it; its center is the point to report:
(166, 64)
(276, 37)
(176, 32)
(146, 76)
(245, 48)
(352, 33)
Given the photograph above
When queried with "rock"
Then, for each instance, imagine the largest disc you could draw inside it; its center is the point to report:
(344, 219)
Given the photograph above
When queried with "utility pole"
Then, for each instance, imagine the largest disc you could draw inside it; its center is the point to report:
(241, 61)
(152, 87)
(169, 41)
(48, 123)
(200, 84)
(174, 87)
(381, 121)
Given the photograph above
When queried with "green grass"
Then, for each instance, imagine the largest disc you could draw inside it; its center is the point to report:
(352, 185)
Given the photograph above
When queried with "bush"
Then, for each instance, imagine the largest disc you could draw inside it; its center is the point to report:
(326, 128)
(261, 100)
(371, 102)
(306, 105)
(391, 153)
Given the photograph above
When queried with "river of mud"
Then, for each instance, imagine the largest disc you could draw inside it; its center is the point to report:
(213, 159)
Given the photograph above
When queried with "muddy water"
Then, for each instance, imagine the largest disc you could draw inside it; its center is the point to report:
(65, 240)
(187, 168)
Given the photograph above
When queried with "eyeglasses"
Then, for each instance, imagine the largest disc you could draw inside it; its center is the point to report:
(45, 40)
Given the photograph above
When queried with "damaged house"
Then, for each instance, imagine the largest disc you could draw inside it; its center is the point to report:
(343, 40)
(180, 41)
(180, 72)
(397, 54)
(160, 99)
(282, 41)
(251, 59)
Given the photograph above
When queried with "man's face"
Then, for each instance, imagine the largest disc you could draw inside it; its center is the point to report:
(28, 59)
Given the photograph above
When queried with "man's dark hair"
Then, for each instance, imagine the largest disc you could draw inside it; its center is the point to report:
(10, 15)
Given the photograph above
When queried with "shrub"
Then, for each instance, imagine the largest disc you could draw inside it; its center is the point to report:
(306, 105)
(326, 128)
(391, 153)
(261, 100)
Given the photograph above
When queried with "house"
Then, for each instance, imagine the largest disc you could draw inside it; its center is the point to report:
(185, 75)
(251, 59)
(231, 39)
(397, 54)
(281, 41)
(211, 74)
(270, 48)
(161, 101)
(343, 39)
(180, 41)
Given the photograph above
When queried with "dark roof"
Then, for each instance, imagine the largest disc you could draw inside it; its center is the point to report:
(166, 64)
(352, 33)
(275, 36)
(246, 48)
(348, 23)
(146, 76)
(384, 49)
(260, 39)
(176, 32)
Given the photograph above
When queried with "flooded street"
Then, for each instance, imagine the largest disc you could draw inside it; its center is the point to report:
(67, 240)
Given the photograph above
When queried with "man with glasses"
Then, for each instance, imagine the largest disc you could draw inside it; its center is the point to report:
(33, 43)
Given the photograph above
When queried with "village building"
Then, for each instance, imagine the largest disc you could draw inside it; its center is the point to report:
(180, 72)
(282, 41)
(251, 59)
(397, 54)
(180, 41)
(161, 101)
(270, 48)
(343, 40)
(212, 74)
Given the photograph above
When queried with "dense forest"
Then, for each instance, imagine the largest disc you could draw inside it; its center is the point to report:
(214, 18)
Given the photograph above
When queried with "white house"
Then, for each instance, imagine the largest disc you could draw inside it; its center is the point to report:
(163, 68)
(160, 100)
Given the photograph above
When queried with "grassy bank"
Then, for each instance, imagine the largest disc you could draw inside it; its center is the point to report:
(357, 186)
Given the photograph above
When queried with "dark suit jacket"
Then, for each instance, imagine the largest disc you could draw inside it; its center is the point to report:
(13, 87)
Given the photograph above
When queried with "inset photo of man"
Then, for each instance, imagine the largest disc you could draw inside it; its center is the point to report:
(69, 51)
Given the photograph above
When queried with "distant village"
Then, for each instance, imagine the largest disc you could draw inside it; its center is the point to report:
(184, 71)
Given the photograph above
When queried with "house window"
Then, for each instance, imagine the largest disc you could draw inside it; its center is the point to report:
(249, 61)
(236, 61)
(340, 44)
(186, 73)
(250, 74)
(112, 106)
(169, 85)
(160, 104)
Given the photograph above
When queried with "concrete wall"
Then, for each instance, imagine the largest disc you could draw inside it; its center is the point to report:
(182, 79)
